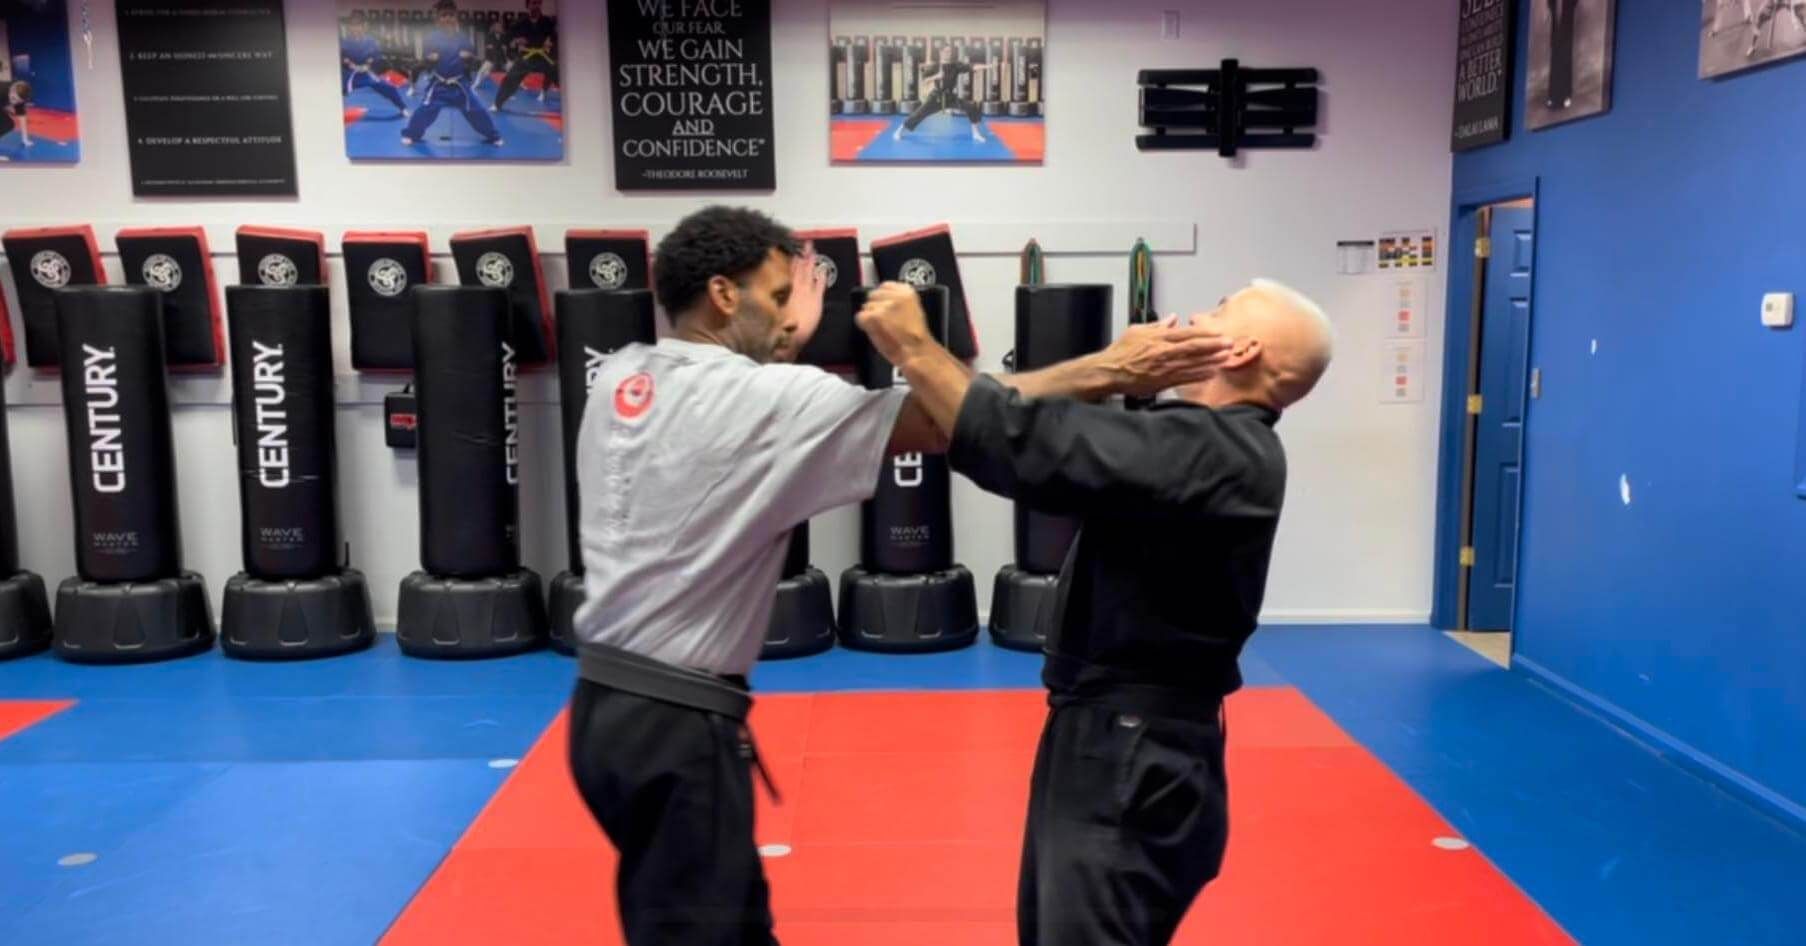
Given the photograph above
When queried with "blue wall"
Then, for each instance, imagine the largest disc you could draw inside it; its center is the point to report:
(1660, 226)
(45, 36)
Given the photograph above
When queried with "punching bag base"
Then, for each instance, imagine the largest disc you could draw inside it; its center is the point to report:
(994, 108)
(802, 621)
(1021, 604)
(884, 108)
(133, 622)
(24, 616)
(296, 618)
(1022, 109)
(470, 617)
(908, 613)
(566, 597)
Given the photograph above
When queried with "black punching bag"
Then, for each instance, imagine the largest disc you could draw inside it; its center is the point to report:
(292, 599)
(1054, 323)
(471, 598)
(24, 610)
(592, 324)
(131, 600)
(907, 594)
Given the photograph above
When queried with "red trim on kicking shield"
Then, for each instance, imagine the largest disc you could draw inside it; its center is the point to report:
(550, 332)
(939, 229)
(45, 233)
(644, 236)
(315, 237)
(199, 235)
(6, 333)
(935, 230)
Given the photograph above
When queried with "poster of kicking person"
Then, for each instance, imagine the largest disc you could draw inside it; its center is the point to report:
(920, 82)
(451, 80)
(37, 84)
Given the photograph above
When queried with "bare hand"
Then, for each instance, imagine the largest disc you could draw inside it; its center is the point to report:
(1150, 358)
(893, 319)
(807, 288)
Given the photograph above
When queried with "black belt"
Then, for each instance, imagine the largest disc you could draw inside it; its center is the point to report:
(629, 672)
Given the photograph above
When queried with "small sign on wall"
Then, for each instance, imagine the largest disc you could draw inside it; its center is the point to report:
(1483, 73)
(1405, 317)
(206, 98)
(1402, 373)
(1407, 249)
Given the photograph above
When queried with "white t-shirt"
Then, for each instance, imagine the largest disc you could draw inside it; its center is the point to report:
(693, 464)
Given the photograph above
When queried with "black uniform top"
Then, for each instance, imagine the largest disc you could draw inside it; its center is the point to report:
(950, 73)
(1178, 506)
(534, 34)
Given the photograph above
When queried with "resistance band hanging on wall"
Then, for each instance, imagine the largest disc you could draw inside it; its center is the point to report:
(1032, 266)
(1141, 298)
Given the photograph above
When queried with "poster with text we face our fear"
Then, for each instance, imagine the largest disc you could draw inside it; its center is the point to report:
(691, 84)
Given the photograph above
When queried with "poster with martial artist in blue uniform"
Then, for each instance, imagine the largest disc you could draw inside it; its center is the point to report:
(37, 85)
(452, 80)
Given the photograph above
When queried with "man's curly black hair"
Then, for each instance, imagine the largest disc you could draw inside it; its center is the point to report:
(714, 241)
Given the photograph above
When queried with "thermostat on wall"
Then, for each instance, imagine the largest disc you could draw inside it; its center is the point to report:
(1777, 310)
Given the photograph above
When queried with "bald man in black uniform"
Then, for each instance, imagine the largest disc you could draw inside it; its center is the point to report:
(1128, 811)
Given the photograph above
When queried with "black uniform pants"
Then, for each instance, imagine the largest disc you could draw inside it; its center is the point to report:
(1128, 819)
(530, 62)
(671, 786)
(939, 100)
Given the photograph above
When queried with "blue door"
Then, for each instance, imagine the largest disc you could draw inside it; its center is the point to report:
(1499, 435)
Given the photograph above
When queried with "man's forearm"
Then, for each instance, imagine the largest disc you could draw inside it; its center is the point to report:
(1085, 378)
(938, 381)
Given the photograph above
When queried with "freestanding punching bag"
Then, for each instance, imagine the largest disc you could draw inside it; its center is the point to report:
(802, 617)
(471, 597)
(1053, 324)
(906, 593)
(592, 324)
(130, 599)
(24, 610)
(294, 597)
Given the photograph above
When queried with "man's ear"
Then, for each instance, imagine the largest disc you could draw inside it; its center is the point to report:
(724, 295)
(1243, 353)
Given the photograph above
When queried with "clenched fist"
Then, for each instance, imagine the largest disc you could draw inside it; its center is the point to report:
(893, 319)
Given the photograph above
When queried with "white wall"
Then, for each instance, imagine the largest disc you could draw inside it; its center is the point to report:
(1356, 541)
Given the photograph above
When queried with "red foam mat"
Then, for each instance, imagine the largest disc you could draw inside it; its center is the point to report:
(903, 813)
(18, 716)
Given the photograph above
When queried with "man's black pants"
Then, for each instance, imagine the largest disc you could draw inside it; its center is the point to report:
(671, 786)
(1128, 819)
(938, 101)
(529, 63)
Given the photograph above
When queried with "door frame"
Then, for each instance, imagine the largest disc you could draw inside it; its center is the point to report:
(1458, 340)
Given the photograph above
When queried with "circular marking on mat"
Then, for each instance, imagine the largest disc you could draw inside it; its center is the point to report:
(77, 860)
(503, 763)
(1451, 844)
(774, 850)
